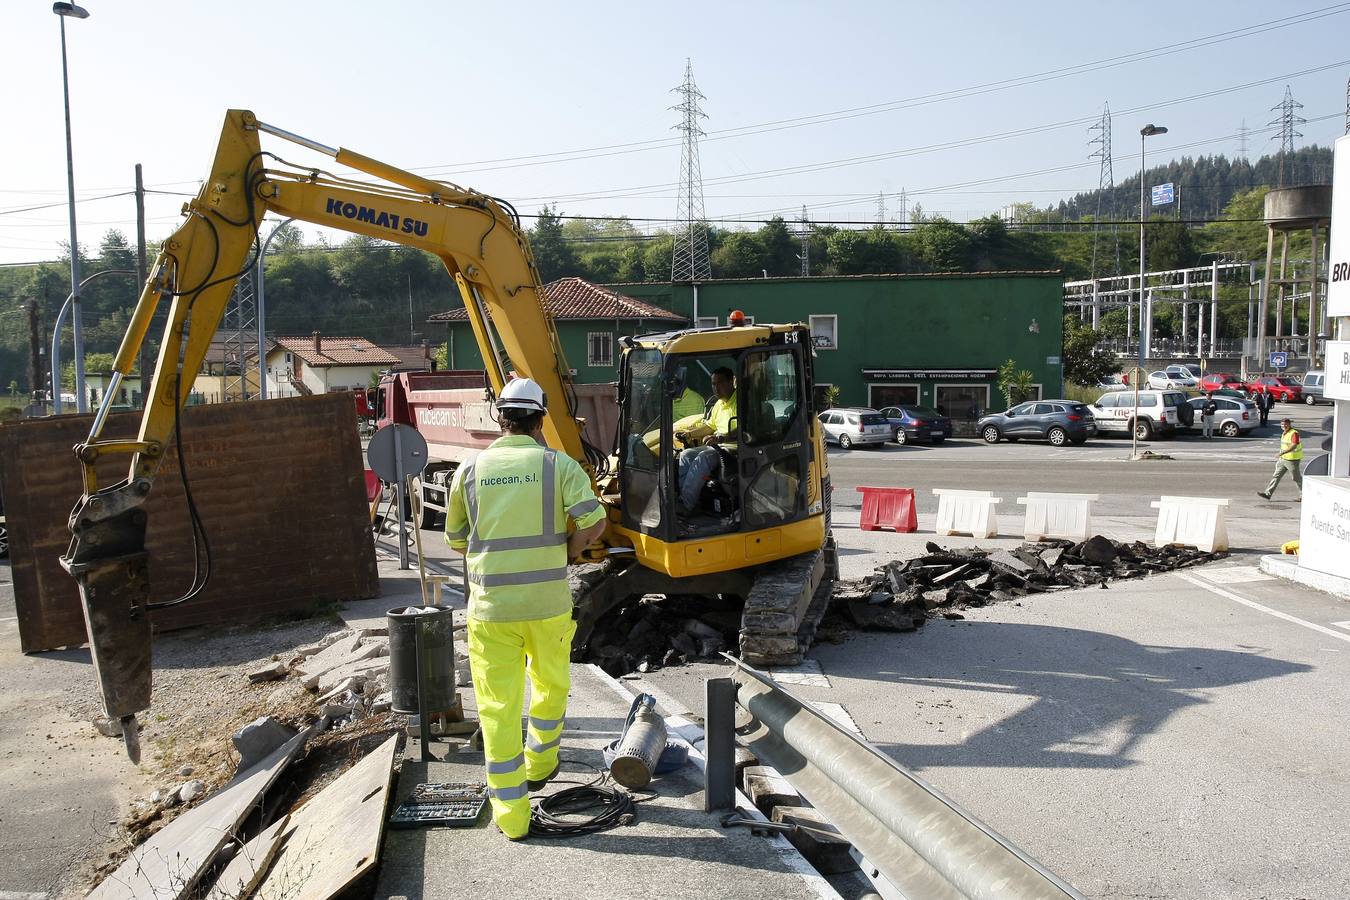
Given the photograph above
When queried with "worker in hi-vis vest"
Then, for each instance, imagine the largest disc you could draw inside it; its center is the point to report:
(507, 514)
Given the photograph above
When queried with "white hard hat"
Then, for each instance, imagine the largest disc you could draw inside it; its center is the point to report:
(523, 393)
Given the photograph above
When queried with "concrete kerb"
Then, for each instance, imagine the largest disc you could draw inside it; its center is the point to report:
(1287, 567)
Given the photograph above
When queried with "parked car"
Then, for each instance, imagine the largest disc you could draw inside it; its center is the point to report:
(1058, 421)
(1191, 369)
(1222, 381)
(1285, 390)
(1314, 383)
(1111, 383)
(1158, 413)
(917, 423)
(847, 427)
(1233, 417)
(1172, 377)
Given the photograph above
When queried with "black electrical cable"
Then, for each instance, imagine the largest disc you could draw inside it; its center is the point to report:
(616, 807)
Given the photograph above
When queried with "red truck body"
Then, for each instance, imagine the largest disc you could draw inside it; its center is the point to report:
(452, 412)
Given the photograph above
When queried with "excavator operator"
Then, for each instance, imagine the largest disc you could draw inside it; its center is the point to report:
(507, 513)
(697, 463)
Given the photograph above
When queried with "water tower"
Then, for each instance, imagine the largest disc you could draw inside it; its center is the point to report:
(1290, 211)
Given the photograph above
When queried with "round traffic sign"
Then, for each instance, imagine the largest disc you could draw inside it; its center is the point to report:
(397, 451)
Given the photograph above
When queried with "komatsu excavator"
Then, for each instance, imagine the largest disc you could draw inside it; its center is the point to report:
(759, 529)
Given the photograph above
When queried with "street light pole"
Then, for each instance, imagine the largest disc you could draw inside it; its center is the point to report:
(262, 311)
(1145, 322)
(1145, 330)
(65, 11)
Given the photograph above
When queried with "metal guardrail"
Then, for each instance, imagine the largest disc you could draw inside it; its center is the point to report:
(920, 843)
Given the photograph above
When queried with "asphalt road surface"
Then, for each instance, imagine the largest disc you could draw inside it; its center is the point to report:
(1179, 736)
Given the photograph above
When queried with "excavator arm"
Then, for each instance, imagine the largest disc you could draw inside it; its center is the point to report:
(478, 238)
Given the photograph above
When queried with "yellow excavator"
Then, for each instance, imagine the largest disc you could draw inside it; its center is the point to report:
(757, 530)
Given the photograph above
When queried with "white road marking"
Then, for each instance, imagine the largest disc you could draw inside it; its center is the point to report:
(1234, 574)
(1229, 595)
(1345, 625)
(840, 716)
(807, 673)
(7, 619)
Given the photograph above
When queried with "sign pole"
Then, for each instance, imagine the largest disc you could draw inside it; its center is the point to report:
(401, 497)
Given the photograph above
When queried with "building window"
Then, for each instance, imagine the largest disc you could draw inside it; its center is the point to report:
(600, 349)
(825, 332)
(704, 322)
(881, 396)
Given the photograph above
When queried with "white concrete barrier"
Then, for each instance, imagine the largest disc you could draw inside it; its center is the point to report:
(967, 512)
(1066, 516)
(1197, 521)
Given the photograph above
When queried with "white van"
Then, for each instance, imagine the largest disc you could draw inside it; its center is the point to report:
(1156, 414)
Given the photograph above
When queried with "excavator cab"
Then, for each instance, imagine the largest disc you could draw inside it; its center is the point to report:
(678, 483)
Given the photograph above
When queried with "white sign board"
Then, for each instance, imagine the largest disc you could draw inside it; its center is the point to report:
(1337, 385)
(1324, 535)
(1338, 274)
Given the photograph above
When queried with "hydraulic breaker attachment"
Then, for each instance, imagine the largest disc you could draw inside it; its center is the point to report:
(107, 558)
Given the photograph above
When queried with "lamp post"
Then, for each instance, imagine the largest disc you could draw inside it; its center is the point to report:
(71, 11)
(262, 312)
(1145, 323)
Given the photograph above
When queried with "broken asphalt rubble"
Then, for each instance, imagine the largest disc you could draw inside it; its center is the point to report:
(901, 595)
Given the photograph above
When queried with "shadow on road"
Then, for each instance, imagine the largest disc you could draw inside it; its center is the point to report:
(1093, 696)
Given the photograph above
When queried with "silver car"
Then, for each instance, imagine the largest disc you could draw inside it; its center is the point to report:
(1233, 416)
(1314, 386)
(847, 427)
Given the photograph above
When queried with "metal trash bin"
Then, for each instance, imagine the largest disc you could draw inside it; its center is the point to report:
(438, 659)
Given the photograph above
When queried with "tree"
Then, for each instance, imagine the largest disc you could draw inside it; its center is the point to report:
(288, 239)
(740, 256)
(1169, 245)
(1084, 363)
(943, 246)
(552, 254)
(871, 251)
(1015, 384)
(780, 248)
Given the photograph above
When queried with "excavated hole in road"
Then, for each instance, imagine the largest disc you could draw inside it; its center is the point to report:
(657, 631)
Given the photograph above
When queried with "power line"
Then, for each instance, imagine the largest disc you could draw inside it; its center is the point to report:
(637, 191)
(895, 105)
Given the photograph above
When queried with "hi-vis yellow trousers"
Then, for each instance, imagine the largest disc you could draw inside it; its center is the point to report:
(501, 654)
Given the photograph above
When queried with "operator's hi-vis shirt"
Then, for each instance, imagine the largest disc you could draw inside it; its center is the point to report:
(508, 511)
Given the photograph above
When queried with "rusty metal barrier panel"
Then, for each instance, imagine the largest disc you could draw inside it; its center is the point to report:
(281, 493)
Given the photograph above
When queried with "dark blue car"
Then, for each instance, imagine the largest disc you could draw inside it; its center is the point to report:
(918, 423)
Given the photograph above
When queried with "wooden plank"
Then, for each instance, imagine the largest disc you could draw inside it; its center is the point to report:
(335, 837)
(242, 874)
(280, 488)
(170, 863)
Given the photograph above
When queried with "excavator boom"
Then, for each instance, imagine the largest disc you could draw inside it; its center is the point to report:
(477, 237)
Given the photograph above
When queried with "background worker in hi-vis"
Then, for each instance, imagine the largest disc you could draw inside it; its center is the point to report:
(507, 514)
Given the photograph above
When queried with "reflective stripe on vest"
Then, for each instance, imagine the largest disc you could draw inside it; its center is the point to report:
(516, 543)
(1288, 449)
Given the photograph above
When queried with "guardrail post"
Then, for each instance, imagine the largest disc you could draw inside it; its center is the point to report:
(719, 746)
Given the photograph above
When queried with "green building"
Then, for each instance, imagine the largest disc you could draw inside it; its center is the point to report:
(882, 340)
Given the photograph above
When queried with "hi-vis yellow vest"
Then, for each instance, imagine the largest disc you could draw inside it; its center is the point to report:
(1289, 449)
(508, 512)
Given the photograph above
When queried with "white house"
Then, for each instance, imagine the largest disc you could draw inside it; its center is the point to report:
(319, 364)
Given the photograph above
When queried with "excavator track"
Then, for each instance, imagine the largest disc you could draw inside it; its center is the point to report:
(785, 603)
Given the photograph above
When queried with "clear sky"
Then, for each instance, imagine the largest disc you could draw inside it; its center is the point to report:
(495, 95)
